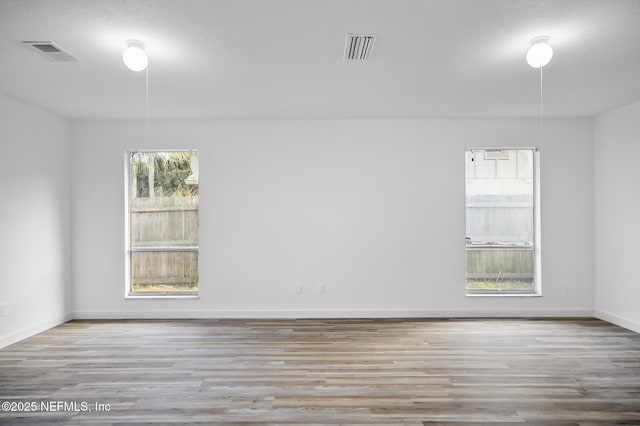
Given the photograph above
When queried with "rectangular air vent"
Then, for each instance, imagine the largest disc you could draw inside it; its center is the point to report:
(358, 47)
(50, 51)
(496, 154)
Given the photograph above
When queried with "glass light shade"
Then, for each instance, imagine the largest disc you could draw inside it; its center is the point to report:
(539, 54)
(134, 56)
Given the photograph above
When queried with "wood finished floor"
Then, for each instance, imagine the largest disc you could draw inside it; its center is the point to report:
(399, 371)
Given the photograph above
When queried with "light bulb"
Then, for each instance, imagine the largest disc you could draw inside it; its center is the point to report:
(134, 56)
(540, 52)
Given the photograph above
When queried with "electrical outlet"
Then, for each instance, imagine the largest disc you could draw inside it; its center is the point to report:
(567, 288)
(3, 309)
(297, 288)
(322, 289)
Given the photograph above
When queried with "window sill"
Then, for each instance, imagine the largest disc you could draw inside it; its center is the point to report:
(163, 296)
(502, 294)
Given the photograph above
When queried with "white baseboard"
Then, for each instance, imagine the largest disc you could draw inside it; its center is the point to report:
(337, 313)
(31, 331)
(622, 322)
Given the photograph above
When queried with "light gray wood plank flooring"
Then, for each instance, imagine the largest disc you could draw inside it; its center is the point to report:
(379, 371)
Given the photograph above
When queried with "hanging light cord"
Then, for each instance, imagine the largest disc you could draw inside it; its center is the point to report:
(541, 115)
(147, 89)
(146, 129)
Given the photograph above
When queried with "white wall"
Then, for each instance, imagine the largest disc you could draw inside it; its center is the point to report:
(372, 208)
(617, 216)
(35, 221)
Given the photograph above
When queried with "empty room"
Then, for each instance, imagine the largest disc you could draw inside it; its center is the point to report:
(365, 212)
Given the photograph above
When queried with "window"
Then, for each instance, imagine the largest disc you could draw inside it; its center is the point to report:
(162, 223)
(502, 226)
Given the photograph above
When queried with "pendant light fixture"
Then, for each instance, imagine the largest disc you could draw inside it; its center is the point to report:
(539, 55)
(134, 56)
(540, 52)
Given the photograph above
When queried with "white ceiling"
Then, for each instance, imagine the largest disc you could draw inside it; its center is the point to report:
(284, 58)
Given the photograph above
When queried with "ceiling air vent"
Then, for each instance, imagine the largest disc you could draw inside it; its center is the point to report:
(496, 154)
(358, 47)
(50, 51)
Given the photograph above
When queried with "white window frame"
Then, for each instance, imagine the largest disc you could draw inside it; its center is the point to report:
(128, 250)
(537, 241)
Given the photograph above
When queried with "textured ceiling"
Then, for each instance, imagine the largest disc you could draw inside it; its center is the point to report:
(284, 58)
